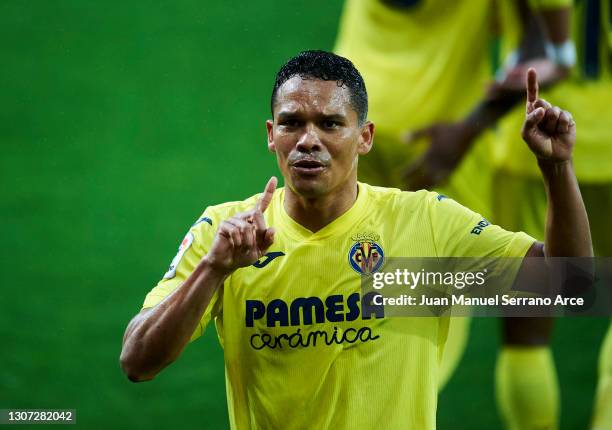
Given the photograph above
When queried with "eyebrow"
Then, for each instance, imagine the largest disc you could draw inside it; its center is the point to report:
(290, 114)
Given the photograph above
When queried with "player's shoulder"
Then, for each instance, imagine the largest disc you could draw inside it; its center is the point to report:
(420, 206)
(214, 214)
(396, 199)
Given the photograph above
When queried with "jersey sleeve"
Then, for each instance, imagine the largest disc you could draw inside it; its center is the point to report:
(460, 232)
(193, 247)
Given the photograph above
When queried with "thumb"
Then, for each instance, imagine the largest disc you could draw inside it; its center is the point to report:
(268, 239)
(533, 119)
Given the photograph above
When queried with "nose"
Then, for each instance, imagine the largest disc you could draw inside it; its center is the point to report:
(309, 141)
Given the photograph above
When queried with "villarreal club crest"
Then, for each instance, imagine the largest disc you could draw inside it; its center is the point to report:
(366, 255)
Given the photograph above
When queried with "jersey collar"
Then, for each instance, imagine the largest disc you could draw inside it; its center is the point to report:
(338, 226)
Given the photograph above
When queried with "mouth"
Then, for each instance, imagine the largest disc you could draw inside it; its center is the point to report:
(308, 166)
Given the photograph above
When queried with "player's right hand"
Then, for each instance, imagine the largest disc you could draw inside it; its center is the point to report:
(243, 239)
(446, 148)
(549, 131)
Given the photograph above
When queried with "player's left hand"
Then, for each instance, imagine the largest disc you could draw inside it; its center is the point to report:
(549, 131)
(443, 154)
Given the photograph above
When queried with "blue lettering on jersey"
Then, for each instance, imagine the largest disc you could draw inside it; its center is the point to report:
(309, 311)
(267, 258)
(312, 310)
(478, 228)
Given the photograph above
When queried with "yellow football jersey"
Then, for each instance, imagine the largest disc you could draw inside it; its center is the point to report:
(422, 63)
(301, 348)
(586, 94)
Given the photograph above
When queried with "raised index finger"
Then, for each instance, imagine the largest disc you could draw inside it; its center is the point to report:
(266, 197)
(532, 85)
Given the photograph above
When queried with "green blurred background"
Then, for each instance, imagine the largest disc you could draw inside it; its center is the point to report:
(119, 123)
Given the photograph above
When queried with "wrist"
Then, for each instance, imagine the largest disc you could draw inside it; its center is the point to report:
(210, 265)
(554, 167)
(467, 130)
(562, 54)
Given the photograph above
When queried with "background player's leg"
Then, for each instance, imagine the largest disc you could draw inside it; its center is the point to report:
(458, 334)
(602, 415)
(598, 201)
(526, 380)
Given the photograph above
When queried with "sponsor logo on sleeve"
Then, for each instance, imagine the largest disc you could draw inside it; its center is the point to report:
(184, 246)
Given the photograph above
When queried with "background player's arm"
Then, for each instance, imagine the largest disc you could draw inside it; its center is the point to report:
(157, 336)
(449, 142)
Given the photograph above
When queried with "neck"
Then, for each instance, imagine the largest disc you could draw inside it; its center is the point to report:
(314, 213)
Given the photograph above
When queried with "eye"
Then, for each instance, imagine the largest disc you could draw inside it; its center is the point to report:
(290, 123)
(328, 123)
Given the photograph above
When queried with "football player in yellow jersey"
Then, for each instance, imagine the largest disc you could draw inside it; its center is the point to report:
(280, 273)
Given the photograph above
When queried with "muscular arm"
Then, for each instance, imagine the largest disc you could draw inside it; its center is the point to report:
(567, 224)
(550, 134)
(157, 336)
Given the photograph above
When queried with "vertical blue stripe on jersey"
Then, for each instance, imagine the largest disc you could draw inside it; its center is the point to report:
(592, 28)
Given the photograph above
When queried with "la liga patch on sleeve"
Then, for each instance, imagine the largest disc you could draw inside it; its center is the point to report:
(184, 246)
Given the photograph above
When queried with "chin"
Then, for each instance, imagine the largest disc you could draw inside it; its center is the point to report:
(309, 187)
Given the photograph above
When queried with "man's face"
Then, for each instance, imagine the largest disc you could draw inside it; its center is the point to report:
(316, 136)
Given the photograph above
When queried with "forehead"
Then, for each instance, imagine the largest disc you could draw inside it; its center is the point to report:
(313, 96)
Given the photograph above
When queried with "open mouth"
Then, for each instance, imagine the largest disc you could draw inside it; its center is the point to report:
(308, 166)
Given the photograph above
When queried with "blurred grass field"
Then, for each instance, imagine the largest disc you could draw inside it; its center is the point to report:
(120, 122)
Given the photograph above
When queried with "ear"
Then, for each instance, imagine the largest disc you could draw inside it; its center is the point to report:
(270, 128)
(366, 138)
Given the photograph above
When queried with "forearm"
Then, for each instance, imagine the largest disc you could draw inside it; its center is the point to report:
(557, 23)
(489, 111)
(567, 224)
(156, 338)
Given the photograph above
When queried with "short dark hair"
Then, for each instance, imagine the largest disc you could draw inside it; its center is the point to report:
(325, 66)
